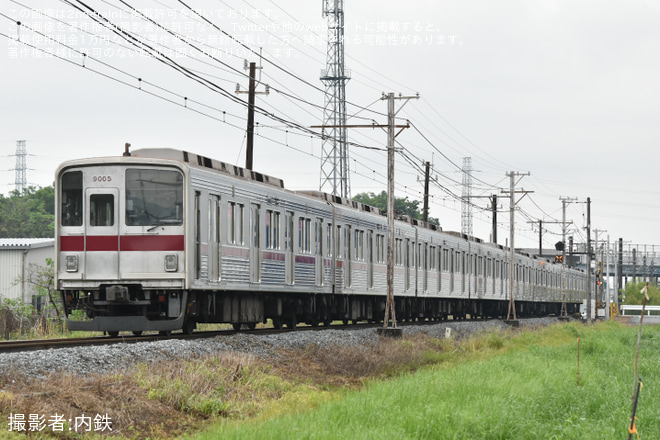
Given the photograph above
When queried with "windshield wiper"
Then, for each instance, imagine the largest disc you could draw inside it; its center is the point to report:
(164, 222)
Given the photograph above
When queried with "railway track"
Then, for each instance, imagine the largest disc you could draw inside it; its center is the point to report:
(48, 344)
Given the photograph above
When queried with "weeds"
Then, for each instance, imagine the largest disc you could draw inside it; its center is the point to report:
(460, 386)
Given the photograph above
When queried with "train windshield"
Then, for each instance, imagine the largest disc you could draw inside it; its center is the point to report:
(71, 198)
(154, 197)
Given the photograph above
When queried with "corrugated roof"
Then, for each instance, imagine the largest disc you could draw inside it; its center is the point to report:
(25, 243)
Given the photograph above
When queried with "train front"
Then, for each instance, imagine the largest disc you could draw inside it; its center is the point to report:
(120, 239)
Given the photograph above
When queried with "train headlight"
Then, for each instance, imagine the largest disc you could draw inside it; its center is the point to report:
(71, 263)
(171, 263)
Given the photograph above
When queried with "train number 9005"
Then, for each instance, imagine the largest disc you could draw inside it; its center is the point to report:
(102, 178)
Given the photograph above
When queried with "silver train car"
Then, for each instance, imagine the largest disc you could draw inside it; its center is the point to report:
(163, 239)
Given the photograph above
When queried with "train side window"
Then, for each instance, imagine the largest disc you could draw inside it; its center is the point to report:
(432, 258)
(406, 258)
(328, 238)
(380, 248)
(101, 210)
(359, 245)
(71, 199)
(272, 229)
(235, 215)
(276, 230)
(318, 236)
(288, 231)
(398, 251)
(304, 235)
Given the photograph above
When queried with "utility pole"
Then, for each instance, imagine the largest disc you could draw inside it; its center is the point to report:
(390, 309)
(466, 212)
(493, 207)
(540, 238)
(250, 122)
(564, 202)
(619, 270)
(589, 296)
(608, 300)
(541, 232)
(599, 267)
(512, 205)
(426, 193)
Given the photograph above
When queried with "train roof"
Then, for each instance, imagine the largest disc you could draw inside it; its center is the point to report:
(198, 161)
(202, 162)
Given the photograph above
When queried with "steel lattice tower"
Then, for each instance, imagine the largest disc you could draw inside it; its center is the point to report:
(21, 180)
(466, 212)
(334, 154)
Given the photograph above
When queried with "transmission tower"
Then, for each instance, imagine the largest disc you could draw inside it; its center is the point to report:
(334, 154)
(466, 212)
(21, 180)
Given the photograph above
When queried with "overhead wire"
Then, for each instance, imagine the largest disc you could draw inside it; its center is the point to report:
(157, 54)
(412, 158)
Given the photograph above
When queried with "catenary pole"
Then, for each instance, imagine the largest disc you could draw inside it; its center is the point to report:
(390, 309)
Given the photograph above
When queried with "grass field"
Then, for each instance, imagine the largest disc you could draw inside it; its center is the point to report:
(495, 386)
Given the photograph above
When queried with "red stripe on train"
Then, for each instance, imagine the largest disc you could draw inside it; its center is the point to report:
(152, 243)
(72, 243)
(110, 243)
(100, 243)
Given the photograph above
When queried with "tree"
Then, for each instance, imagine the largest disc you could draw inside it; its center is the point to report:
(15, 311)
(43, 278)
(28, 215)
(632, 294)
(401, 205)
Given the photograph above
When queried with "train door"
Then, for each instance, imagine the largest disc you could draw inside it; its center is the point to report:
(102, 232)
(318, 251)
(289, 259)
(452, 270)
(348, 254)
(425, 267)
(198, 237)
(464, 270)
(370, 259)
(338, 258)
(255, 244)
(215, 268)
(407, 264)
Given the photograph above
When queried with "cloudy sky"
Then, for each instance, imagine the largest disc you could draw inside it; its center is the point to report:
(564, 90)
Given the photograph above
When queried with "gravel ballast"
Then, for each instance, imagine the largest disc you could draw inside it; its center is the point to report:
(122, 356)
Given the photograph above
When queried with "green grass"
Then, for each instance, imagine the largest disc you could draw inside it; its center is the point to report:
(497, 386)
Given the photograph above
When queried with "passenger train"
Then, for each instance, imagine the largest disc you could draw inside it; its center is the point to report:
(163, 239)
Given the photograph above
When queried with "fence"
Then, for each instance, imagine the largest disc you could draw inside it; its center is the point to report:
(648, 310)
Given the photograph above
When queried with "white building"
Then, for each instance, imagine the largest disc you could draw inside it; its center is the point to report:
(19, 258)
